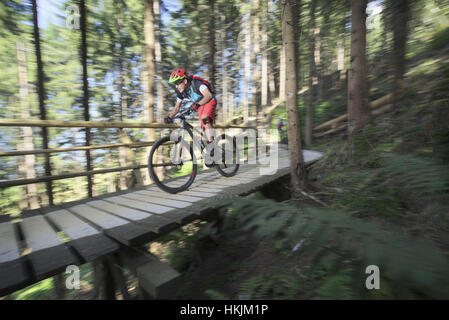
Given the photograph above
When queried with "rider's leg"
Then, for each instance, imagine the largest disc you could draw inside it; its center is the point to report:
(209, 130)
(206, 114)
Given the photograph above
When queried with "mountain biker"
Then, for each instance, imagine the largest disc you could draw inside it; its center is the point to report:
(280, 126)
(200, 94)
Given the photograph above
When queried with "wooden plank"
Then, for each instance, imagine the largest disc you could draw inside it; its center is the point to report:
(225, 182)
(243, 179)
(9, 249)
(204, 188)
(180, 217)
(207, 175)
(155, 223)
(156, 200)
(117, 228)
(121, 211)
(199, 194)
(13, 273)
(89, 242)
(49, 256)
(145, 206)
(159, 193)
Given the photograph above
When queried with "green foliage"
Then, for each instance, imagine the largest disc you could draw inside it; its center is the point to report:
(424, 176)
(335, 286)
(256, 288)
(372, 200)
(183, 244)
(440, 39)
(274, 283)
(43, 290)
(9, 200)
(215, 295)
(329, 110)
(355, 244)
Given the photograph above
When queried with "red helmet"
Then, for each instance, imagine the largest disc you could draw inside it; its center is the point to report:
(178, 74)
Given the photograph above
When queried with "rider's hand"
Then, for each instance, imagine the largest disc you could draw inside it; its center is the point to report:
(168, 120)
(195, 107)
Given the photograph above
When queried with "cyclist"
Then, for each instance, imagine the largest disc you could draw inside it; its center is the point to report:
(280, 126)
(200, 93)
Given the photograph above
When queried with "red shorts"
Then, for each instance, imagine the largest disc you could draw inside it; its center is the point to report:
(209, 110)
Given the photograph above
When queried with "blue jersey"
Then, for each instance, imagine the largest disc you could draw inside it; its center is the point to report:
(192, 94)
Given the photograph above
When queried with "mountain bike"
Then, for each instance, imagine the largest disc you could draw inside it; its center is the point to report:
(173, 164)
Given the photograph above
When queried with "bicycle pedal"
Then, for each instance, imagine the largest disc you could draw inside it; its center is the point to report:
(209, 165)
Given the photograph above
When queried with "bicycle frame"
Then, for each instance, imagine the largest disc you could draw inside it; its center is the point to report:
(185, 126)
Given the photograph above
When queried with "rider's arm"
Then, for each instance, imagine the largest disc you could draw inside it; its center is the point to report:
(175, 109)
(207, 96)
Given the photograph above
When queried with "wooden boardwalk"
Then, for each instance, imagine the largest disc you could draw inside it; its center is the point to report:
(47, 240)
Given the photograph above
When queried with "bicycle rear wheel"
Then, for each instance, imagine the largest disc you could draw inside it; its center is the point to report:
(172, 164)
(227, 161)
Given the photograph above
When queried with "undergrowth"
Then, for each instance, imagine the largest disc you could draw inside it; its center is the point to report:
(335, 249)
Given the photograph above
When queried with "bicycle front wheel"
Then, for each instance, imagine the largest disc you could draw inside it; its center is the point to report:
(172, 164)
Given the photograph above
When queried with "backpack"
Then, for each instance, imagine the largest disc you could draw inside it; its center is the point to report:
(206, 83)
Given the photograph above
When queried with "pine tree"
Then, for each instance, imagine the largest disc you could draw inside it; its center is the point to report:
(358, 105)
(297, 166)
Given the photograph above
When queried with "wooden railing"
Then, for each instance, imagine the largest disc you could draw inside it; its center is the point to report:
(84, 124)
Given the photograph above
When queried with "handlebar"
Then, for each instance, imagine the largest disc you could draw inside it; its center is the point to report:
(183, 114)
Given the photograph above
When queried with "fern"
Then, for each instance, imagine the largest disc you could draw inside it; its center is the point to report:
(215, 295)
(336, 286)
(256, 288)
(410, 264)
(249, 287)
(421, 175)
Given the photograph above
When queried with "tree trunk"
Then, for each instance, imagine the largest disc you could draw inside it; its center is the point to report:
(122, 113)
(224, 76)
(400, 31)
(42, 97)
(131, 157)
(255, 5)
(247, 62)
(313, 77)
(26, 163)
(272, 86)
(298, 173)
(282, 74)
(85, 92)
(231, 104)
(264, 84)
(271, 62)
(324, 52)
(358, 105)
(158, 56)
(296, 25)
(122, 158)
(211, 59)
(150, 68)
(341, 53)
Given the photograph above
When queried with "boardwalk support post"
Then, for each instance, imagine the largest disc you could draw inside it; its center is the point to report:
(156, 279)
